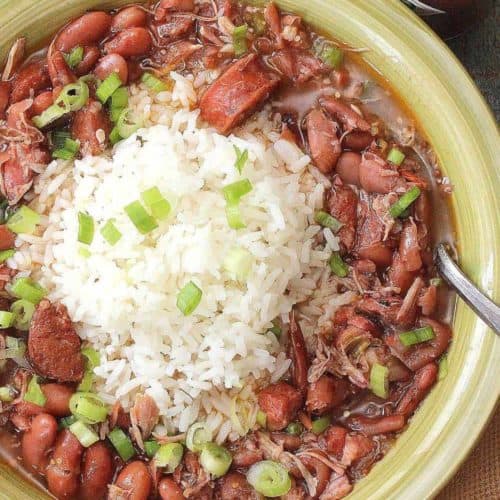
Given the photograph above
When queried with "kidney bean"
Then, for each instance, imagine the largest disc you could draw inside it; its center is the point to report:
(22, 414)
(4, 98)
(37, 442)
(63, 470)
(134, 71)
(136, 480)
(88, 29)
(129, 17)
(348, 167)
(112, 63)
(97, 472)
(32, 77)
(132, 42)
(357, 141)
(58, 396)
(91, 55)
(41, 102)
(168, 489)
(59, 71)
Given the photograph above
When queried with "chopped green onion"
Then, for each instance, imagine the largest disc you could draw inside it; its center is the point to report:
(119, 98)
(51, 114)
(189, 298)
(110, 233)
(75, 57)
(295, 429)
(443, 367)
(122, 443)
(320, 424)
(15, 348)
(151, 447)
(238, 263)
(6, 254)
(115, 136)
(215, 459)
(257, 22)
(235, 191)
(128, 123)
(436, 282)
(395, 156)
(417, 336)
(34, 393)
(169, 456)
(338, 266)
(197, 436)
(69, 151)
(240, 40)
(108, 87)
(73, 97)
(84, 434)
(6, 395)
(88, 407)
(93, 357)
(153, 82)
(6, 319)
(84, 252)
(157, 204)
(404, 202)
(326, 220)
(65, 422)
(58, 138)
(85, 228)
(25, 288)
(233, 215)
(275, 329)
(332, 56)
(23, 311)
(269, 478)
(23, 221)
(261, 419)
(114, 114)
(241, 158)
(92, 361)
(140, 218)
(379, 380)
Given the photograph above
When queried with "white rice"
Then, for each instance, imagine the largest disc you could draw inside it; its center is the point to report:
(123, 297)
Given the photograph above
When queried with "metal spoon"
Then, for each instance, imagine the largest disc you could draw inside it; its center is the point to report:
(485, 308)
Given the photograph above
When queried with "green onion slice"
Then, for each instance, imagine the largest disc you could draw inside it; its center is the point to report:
(25, 288)
(326, 220)
(379, 380)
(110, 232)
(119, 98)
(83, 433)
(23, 312)
(88, 407)
(321, 424)
(240, 40)
(241, 158)
(93, 360)
(169, 456)
(65, 422)
(157, 204)
(233, 215)
(261, 419)
(23, 221)
(151, 447)
(269, 478)
(436, 281)
(153, 82)
(189, 298)
(395, 156)
(197, 436)
(122, 443)
(85, 228)
(6, 319)
(75, 57)
(6, 395)
(332, 56)
(34, 393)
(235, 191)
(6, 254)
(140, 218)
(215, 459)
(443, 367)
(398, 208)
(15, 348)
(338, 266)
(106, 89)
(295, 429)
(238, 263)
(128, 123)
(417, 336)
(69, 151)
(115, 136)
(276, 328)
(73, 97)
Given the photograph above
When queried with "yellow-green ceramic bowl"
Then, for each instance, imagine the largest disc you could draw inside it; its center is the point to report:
(463, 133)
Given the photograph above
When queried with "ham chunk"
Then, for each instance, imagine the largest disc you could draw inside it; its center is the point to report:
(279, 402)
(237, 93)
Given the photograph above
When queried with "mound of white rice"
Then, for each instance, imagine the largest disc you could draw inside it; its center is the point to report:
(123, 297)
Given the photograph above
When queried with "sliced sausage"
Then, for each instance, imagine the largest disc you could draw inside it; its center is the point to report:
(97, 472)
(280, 403)
(37, 442)
(53, 344)
(135, 480)
(325, 394)
(237, 93)
(324, 144)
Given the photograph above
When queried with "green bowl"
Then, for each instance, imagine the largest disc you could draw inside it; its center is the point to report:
(464, 135)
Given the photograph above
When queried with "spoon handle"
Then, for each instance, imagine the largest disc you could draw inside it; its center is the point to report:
(485, 308)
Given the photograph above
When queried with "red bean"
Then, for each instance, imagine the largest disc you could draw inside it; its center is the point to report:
(64, 468)
(88, 29)
(58, 397)
(357, 141)
(97, 472)
(42, 102)
(31, 77)
(168, 489)
(59, 71)
(37, 442)
(112, 63)
(129, 17)
(91, 55)
(135, 480)
(348, 167)
(133, 42)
